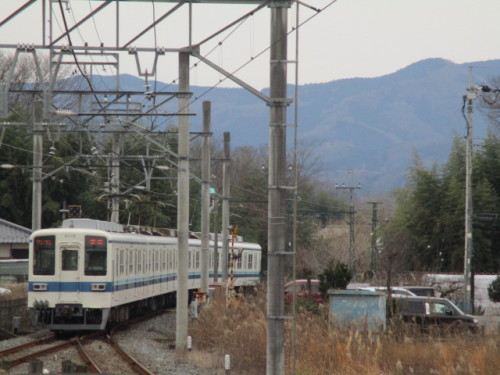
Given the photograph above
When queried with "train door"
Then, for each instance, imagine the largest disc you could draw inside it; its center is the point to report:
(69, 277)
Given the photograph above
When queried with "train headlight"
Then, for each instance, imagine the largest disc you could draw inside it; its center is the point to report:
(98, 287)
(39, 286)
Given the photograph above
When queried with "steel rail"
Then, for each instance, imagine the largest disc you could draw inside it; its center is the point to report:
(91, 365)
(133, 363)
(15, 349)
(40, 353)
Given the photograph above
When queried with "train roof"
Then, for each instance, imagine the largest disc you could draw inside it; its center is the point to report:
(93, 224)
(114, 228)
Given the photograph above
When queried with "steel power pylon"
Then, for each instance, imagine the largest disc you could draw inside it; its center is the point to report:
(351, 222)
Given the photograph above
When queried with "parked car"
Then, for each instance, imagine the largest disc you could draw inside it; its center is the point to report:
(394, 290)
(303, 288)
(424, 291)
(434, 313)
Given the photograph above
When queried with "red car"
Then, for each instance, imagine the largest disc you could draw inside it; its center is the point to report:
(303, 288)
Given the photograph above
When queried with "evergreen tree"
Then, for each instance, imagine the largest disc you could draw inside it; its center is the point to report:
(336, 275)
(418, 212)
(432, 208)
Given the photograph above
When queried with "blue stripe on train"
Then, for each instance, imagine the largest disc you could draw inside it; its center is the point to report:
(86, 286)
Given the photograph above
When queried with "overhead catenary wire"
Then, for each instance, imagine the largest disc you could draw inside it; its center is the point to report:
(261, 53)
(68, 36)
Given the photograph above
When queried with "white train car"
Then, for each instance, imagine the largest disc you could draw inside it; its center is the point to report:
(90, 273)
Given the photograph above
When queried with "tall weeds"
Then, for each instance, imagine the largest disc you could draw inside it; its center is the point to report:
(321, 348)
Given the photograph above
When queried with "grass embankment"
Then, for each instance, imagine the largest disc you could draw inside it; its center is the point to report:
(320, 349)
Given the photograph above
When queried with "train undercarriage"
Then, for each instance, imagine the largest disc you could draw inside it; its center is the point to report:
(75, 317)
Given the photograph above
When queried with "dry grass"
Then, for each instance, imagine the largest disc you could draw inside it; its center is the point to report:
(321, 348)
(19, 290)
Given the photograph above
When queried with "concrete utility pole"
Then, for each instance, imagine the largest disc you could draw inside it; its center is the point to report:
(205, 196)
(277, 226)
(225, 203)
(183, 208)
(351, 223)
(216, 239)
(373, 250)
(36, 214)
(469, 97)
(115, 179)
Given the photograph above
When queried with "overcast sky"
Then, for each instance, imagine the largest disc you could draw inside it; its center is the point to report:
(366, 38)
(350, 38)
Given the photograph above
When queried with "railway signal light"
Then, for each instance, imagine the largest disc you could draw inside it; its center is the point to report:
(74, 211)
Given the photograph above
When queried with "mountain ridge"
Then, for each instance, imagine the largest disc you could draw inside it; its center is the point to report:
(364, 129)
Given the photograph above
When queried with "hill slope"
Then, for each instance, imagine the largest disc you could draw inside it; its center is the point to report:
(368, 125)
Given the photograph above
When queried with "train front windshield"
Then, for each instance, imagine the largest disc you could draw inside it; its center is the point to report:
(44, 255)
(95, 255)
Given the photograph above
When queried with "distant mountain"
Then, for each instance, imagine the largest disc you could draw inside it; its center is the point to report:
(367, 125)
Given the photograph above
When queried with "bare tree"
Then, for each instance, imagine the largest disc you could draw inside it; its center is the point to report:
(393, 253)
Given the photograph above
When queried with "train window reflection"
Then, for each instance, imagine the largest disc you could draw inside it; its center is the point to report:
(95, 255)
(44, 255)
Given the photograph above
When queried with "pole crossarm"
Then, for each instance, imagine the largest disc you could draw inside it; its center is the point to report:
(230, 76)
(120, 93)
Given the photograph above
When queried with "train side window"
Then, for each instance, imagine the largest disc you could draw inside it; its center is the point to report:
(96, 255)
(139, 261)
(250, 261)
(44, 255)
(130, 262)
(238, 262)
(197, 260)
(69, 260)
(122, 266)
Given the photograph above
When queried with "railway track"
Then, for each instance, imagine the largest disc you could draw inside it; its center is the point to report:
(133, 363)
(15, 349)
(32, 350)
(95, 365)
(42, 347)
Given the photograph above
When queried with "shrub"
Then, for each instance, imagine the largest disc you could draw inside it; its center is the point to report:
(494, 290)
(335, 276)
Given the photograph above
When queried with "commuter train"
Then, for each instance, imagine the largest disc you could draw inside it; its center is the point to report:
(89, 274)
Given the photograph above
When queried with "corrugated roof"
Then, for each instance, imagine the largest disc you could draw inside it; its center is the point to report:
(13, 233)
